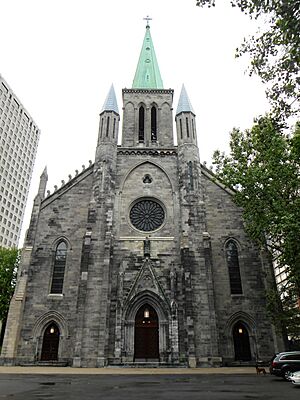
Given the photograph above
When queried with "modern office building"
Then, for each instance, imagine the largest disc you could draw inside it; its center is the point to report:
(19, 137)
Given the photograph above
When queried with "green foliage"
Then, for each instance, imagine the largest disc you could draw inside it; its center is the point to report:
(274, 51)
(264, 169)
(9, 259)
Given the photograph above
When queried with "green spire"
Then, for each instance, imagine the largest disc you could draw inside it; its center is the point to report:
(147, 75)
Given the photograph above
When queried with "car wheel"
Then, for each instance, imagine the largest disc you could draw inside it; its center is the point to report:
(286, 374)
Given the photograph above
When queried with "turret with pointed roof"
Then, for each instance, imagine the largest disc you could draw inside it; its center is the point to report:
(108, 126)
(110, 103)
(185, 120)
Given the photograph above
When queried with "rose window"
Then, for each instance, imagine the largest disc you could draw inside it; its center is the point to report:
(147, 215)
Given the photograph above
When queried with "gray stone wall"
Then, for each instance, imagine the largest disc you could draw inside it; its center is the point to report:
(224, 221)
(62, 215)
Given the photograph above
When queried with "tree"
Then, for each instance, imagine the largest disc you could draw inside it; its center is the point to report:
(264, 169)
(274, 52)
(9, 259)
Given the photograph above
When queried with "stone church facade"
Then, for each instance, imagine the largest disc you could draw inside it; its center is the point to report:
(141, 257)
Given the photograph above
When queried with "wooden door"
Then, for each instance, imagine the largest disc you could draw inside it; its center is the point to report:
(50, 343)
(146, 340)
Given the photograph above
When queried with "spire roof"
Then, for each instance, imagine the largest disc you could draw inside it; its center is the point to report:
(147, 75)
(184, 104)
(110, 103)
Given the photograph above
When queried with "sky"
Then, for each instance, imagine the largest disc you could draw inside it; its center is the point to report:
(60, 58)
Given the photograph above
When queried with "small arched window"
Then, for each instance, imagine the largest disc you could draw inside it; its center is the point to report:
(59, 268)
(153, 124)
(141, 124)
(107, 126)
(232, 258)
(114, 128)
(187, 127)
(101, 129)
(180, 123)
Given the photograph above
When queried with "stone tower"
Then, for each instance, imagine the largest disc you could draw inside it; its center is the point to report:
(142, 257)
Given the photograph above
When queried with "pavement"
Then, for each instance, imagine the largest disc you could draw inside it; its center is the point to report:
(125, 371)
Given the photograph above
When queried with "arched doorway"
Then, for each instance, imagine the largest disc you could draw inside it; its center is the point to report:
(50, 343)
(241, 342)
(146, 339)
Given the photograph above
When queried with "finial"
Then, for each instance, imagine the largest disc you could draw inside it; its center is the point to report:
(147, 19)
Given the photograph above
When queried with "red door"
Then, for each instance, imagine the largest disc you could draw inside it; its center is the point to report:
(146, 347)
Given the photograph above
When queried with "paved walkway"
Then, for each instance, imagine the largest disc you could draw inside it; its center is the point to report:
(125, 371)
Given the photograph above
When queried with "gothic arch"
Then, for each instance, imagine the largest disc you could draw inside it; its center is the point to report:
(147, 296)
(146, 162)
(247, 321)
(44, 320)
(40, 327)
(59, 239)
(233, 239)
(164, 321)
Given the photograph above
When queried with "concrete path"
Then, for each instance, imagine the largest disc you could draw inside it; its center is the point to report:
(126, 371)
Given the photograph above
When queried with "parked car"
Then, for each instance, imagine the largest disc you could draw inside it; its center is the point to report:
(295, 378)
(283, 364)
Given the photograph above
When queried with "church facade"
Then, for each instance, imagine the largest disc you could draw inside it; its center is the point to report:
(142, 257)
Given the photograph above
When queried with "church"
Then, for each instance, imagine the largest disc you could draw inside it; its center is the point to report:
(142, 257)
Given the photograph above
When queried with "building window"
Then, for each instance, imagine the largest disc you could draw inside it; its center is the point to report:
(141, 124)
(232, 258)
(114, 128)
(59, 268)
(180, 125)
(193, 129)
(187, 127)
(101, 129)
(107, 126)
(153, 124)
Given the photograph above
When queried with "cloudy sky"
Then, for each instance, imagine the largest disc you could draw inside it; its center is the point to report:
(61, 56)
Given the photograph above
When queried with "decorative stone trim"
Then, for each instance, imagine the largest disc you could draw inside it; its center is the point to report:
(147, 152)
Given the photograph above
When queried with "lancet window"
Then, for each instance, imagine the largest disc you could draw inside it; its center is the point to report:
(232, 258)
(141, 124)
(59, 268)
(153, 124)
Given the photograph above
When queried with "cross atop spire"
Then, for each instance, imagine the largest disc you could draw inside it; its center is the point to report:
(147, 19)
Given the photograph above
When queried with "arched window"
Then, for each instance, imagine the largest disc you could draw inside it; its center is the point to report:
(187, 127)
(101, 129)
(141, 124)
(59, 268)
(107, 126)
(232, 258)
(114, 128)
(180, 123)
(153, 124)
(193, 129)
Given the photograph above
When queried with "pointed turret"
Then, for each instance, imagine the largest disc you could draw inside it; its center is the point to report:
(109, 119)
(110, 103)
(185, 120)
(184, 104)
(43, 183)
(147, 75)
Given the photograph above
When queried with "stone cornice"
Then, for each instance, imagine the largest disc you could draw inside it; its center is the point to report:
(156, 91)
(138, 151)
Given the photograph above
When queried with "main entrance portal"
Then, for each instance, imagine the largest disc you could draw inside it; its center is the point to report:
(146, 342)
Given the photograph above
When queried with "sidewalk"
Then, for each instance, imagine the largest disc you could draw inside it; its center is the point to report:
(125, 371)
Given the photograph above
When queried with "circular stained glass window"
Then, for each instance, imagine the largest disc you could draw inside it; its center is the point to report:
(147, 215)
